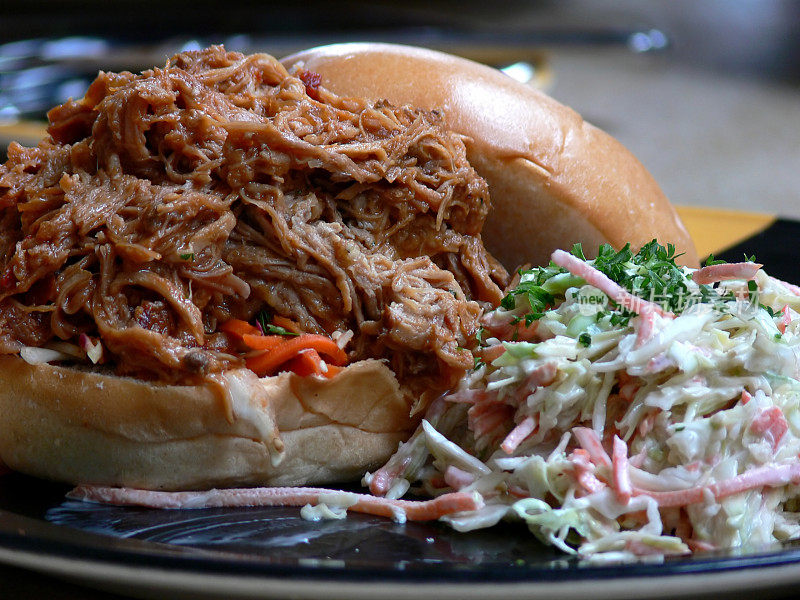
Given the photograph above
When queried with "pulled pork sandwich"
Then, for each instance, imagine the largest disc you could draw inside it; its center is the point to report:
(186, 231)
(221, 272)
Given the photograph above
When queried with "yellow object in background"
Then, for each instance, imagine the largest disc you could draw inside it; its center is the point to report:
(714, 230)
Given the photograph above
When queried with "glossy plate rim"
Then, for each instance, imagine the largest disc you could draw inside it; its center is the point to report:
(140, 568)
(104, 562)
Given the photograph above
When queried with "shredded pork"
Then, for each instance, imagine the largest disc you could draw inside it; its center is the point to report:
(166, 203)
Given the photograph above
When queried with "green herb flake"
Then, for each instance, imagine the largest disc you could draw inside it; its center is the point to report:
(752, 291)
(187, 256)
(275, 330)
(710, 261)
(585, 340)
(263, 319)
(651, 274)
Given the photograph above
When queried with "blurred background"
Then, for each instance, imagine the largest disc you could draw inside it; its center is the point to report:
(706, 93)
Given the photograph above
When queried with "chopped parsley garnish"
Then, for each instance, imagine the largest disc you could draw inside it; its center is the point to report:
(752, 291)
(530, 286)
(585, 339)
(187, 256)
(577, 251)
(711, 261)
(651, 274)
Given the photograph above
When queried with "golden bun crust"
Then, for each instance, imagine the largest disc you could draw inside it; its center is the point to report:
(554, 178)
(79, 426)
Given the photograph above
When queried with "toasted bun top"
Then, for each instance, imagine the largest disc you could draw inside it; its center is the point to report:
(554, 178)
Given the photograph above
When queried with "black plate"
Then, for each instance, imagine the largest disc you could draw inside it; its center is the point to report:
(276, 544)
(271, 552)
(776, 247)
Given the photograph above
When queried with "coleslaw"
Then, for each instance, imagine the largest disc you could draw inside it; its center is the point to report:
(624, 407)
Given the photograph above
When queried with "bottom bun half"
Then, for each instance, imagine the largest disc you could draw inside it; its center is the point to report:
(80, 426)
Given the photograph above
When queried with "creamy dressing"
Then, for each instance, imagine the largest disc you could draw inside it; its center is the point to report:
(699, 402)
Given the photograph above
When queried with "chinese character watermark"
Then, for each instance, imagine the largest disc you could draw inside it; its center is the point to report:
(741, 302)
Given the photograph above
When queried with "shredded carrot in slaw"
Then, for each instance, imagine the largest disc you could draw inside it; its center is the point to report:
(399, 510)
(301, 354)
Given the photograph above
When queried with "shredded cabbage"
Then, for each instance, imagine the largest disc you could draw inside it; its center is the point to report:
(699, 384)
